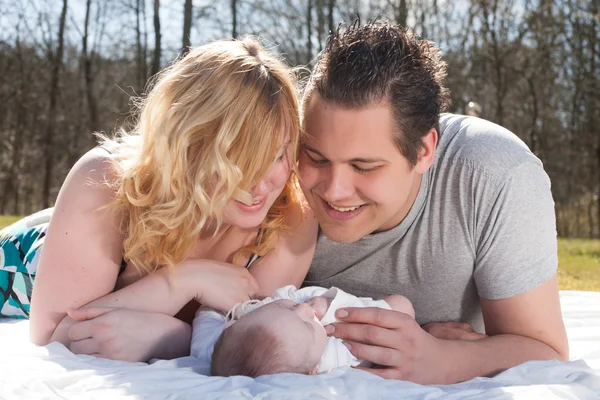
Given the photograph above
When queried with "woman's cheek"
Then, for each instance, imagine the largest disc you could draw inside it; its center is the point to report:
(283, 174)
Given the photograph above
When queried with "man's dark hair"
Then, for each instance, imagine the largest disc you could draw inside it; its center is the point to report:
(381, 62)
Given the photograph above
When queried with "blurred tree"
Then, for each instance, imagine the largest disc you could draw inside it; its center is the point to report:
(49, 137)
(187, 26)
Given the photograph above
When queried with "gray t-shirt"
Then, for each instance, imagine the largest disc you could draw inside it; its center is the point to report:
(482, 224)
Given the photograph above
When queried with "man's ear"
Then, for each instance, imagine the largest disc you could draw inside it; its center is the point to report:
(427, 152)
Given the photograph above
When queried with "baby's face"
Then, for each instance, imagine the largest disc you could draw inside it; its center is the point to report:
(297, 326)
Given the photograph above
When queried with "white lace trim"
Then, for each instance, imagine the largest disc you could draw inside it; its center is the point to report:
(244, 308)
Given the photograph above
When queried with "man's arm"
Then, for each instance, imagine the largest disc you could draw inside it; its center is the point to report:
(522, 328)
(515, 275)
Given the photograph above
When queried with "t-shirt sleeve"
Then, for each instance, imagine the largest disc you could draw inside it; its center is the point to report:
(517, 247)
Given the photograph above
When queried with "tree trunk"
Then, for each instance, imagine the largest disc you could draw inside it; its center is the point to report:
(496, 58)
(57, 62)
(590, 217)
(234, 32)
(10, 185)
(533, 139)
(594, 100)
(320, 23)
(157, 38)
(331, 7)
(309, 31)
(144, 45)
(11, 182)
(598, 175)
(187, 27)
(138, 46)
(401, 12)
(87, 73)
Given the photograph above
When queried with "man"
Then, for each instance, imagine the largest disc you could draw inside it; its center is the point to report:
(453, 212)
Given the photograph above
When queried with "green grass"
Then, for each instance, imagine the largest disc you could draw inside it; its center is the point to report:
(578, 261)
(6, 220)
(579, 264)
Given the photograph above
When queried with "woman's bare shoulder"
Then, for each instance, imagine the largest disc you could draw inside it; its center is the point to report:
(91, 179)
(97, 164)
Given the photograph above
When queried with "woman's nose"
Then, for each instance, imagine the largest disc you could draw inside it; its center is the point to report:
(261, 189)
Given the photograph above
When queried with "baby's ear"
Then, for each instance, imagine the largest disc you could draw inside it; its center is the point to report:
(314, 371)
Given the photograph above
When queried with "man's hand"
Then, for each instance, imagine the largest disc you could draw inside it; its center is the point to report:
(393, 340)
(406, 351)
(453, 331)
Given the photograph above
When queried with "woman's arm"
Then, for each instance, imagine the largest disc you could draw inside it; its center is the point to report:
(289, 261)
(128, 335)
(158, 292)
(166, 291)
(136, 323)
(82, 250)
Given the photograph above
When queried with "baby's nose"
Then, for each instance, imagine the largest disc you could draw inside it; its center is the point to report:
(306, 310)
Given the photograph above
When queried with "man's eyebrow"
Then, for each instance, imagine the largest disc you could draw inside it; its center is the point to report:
(353, 160)
(367, 160)
(314, 151)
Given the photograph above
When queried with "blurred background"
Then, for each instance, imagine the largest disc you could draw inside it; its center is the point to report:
(70, 67)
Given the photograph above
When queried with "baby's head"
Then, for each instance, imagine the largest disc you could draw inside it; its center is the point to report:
(281, 336)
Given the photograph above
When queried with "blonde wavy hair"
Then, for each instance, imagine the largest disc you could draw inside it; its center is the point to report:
(207, 132)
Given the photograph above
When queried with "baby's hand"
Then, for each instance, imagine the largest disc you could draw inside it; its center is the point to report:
(320, 304)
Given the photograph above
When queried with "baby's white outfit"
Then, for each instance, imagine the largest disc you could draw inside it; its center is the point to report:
(209, 324)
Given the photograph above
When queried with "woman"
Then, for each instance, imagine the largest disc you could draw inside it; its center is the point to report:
(198, 189)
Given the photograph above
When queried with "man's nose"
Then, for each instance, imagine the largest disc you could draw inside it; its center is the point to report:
(338, 185)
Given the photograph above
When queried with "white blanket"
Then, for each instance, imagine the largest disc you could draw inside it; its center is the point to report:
(52, 372)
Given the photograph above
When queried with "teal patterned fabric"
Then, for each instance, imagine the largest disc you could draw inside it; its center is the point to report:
(20, 249)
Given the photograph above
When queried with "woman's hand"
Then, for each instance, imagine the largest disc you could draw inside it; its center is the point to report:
(218, 285)
(128, 335)
(136, 322)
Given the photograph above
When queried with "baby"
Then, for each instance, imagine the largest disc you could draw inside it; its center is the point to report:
(282, 333)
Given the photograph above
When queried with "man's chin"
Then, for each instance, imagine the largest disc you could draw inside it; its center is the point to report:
(342, 234)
